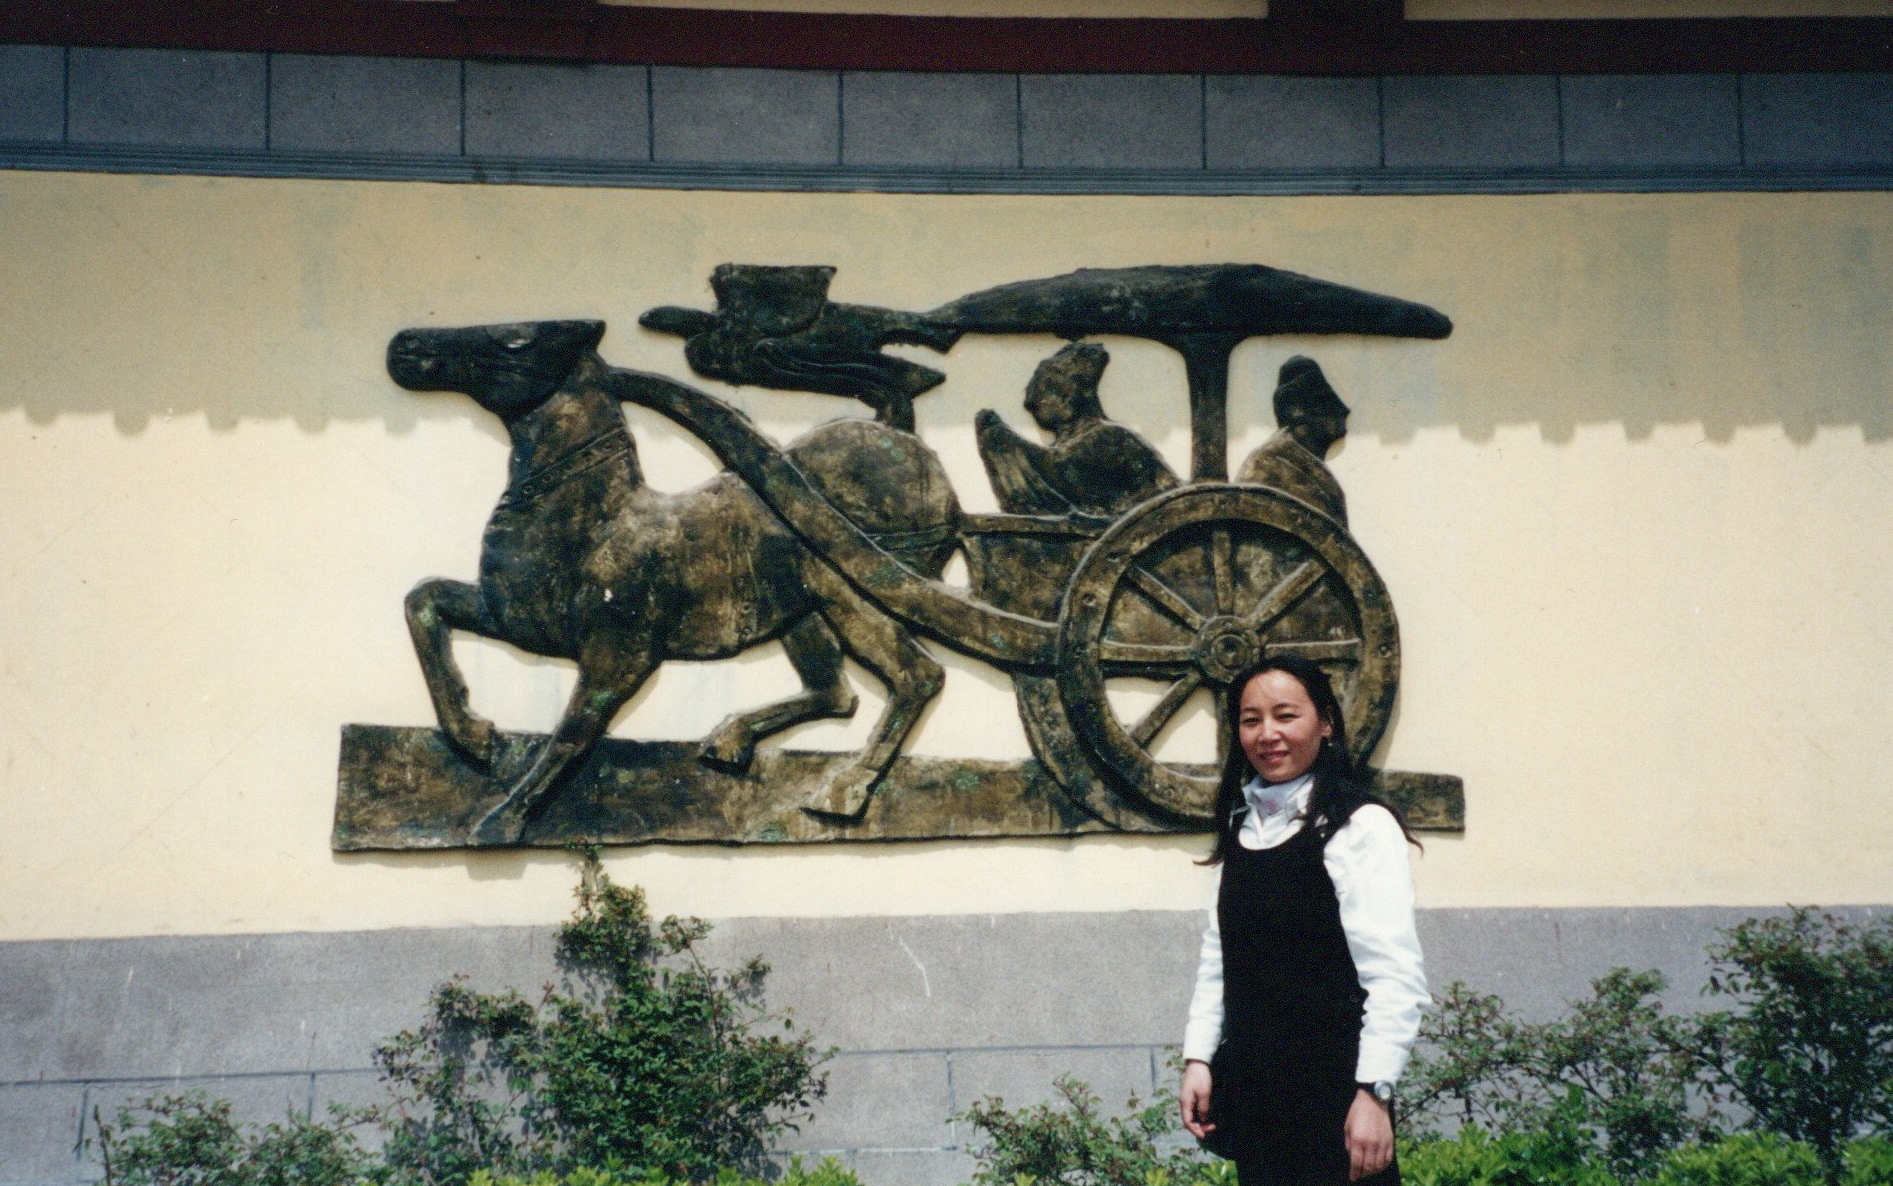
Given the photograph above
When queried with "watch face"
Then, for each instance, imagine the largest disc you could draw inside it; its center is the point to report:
(1383, 1092)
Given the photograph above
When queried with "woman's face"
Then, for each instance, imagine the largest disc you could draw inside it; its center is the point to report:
(1279, 730)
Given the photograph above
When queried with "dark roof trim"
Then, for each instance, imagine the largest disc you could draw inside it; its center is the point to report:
(845, 179)
(1302, 37)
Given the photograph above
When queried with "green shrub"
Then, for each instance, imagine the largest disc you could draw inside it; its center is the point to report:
(651, 1065)
(1768, 1159)
(651, 1068)
(1463, 1072)
(1628, 1069)
(189, 1139)
(1557, 1155)
(1548, 1157)
(828, 1173)
(1744, 1159)
(1809, 1050)
(1869, 1163)
(1616, 1073)
(1070, 1142)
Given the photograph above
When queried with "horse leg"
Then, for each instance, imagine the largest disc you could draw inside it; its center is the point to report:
(610, 671)
(816, 655)
(903, 666)
(435, 609)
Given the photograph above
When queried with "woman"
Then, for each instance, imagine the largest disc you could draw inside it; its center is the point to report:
(1310, 983)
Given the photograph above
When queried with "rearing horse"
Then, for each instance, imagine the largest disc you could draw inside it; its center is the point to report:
(582, 561)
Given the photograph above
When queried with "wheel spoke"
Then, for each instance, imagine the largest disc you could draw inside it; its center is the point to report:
(1143, 659)
(1286, 593)
(1164, 597)
(1161, 712)
(1338, 650)
(1222, 560)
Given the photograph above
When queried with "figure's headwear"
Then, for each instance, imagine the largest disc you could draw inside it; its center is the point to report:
(1081, 362)
(1303, 392)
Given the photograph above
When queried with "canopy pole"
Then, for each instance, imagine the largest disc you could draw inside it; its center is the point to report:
(1206, 362)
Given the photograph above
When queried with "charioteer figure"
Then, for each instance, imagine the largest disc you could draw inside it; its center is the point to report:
(1311, 419)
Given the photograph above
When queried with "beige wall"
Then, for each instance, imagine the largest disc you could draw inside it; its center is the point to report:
(1632, 514)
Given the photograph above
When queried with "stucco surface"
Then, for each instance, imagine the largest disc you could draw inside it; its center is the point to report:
(1626, 514)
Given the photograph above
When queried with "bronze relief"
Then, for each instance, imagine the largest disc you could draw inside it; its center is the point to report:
(1103, 570)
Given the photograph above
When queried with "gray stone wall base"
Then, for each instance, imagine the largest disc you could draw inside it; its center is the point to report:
(437, 119)
(929, 1014)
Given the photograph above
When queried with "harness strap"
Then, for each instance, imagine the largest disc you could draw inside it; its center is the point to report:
(608, 445)
(927, 537)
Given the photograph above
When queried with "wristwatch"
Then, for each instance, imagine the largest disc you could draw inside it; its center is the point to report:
(1381, 1090)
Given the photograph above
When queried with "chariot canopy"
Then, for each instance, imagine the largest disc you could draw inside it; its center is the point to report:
(1202, 311)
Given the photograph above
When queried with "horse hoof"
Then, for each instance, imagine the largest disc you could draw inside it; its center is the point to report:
(844, 797)
(478, 745)
(733, 754)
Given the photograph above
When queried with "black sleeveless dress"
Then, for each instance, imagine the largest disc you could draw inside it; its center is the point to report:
(1283, 1079)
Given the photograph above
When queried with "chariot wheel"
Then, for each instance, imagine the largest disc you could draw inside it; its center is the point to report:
(1182, 594)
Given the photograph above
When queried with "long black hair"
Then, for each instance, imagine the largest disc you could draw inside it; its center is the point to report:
(1339, 788)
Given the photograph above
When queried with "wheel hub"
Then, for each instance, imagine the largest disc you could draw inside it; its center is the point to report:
(1225, 647)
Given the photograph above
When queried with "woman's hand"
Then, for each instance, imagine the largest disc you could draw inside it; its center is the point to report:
(1193, 1098)
(1369, 1133)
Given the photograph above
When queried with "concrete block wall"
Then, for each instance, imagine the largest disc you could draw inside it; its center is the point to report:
(298, 114)
(927, 1014)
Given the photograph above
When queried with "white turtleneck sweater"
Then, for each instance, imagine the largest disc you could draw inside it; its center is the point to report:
(1367, 861)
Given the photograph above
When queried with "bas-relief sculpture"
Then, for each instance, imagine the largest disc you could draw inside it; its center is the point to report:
(1103, 571)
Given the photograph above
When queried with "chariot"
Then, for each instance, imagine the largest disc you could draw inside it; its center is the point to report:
(1091, 615)
(1133, 598)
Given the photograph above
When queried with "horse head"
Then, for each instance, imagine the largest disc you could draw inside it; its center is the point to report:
(507, 369)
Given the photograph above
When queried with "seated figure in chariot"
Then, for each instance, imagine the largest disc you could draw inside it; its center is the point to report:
(1311, 418)
(1093, 466)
